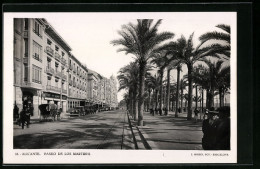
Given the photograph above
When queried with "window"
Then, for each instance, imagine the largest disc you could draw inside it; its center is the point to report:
(25, 73)
(56, 66)
(36, 74)
(37, 50)
(56, 48)
(62, 53)
(48, 63)
(26, 24)
(48, 80)
(49, 42)
(25, 47)
(37, 29)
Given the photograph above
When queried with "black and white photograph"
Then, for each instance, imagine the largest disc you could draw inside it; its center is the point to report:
(87, 87)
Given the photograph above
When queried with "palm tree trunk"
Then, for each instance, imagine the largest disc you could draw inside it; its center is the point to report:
(161, 91)
(177, 91)
(141, 93)
(190, 70)
(149, 100)
(168, 92)
(135, 103)
(181, 96)
(196, 107)
(156, 101)
(208, 99)
(131, 102)
(211, 98)
(221, 98)
(202, 98)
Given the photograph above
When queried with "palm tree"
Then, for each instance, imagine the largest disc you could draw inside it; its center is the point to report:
(188, 55)
(153, 82)
(223, 39)
(218, 77)
(162, 60)
(128, 80)
(183, 85)
(140, 40)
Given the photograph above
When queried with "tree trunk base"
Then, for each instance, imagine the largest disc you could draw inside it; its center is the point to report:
(140, 122)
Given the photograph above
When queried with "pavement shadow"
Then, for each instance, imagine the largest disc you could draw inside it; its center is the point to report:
(71, 138)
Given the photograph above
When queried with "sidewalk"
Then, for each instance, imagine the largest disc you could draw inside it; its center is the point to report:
(170, 133)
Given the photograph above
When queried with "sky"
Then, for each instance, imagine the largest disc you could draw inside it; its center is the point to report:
(89, 34)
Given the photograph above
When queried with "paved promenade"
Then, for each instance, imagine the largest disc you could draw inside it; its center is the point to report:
(170, 133)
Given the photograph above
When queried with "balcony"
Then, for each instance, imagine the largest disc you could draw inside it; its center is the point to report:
(57, 56)
(63, 61)
(49, 50)
(53, 88)
(37, 57)
(49, 70)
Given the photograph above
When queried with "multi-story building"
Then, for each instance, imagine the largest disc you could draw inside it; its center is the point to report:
(40, 56)
(78, 83)
(45, 70)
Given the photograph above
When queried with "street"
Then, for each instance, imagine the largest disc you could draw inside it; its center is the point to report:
(103, 130)
(110, 130)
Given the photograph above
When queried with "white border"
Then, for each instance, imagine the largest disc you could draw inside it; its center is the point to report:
(109, 156)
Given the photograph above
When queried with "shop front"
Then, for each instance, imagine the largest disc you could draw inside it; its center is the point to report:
(60, 101)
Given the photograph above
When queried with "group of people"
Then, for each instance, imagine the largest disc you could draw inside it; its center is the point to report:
(216, 129)
(25, 115)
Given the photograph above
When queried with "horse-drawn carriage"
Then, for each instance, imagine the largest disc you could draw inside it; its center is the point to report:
(51, 115)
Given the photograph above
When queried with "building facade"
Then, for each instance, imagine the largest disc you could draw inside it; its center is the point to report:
(45, 70)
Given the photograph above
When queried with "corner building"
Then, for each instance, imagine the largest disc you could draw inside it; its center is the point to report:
(45, 70)
(40, 64)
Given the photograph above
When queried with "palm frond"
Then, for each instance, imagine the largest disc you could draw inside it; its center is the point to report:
(224, 27)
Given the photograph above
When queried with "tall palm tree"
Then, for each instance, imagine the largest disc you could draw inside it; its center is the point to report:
(183, 85)
(189, 55)
(128, 80)
(140, 40)
(162, 59)
(153, 82)
(218, 79)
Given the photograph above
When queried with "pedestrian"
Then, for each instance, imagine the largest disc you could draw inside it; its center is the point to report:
(196, 112)
(24, 118)
(209, 128)
(16, 112)
(223, 129)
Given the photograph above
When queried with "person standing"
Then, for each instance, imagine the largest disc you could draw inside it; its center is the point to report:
(16, 112)
(196, 112)
(223, 129)
(209, 128)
